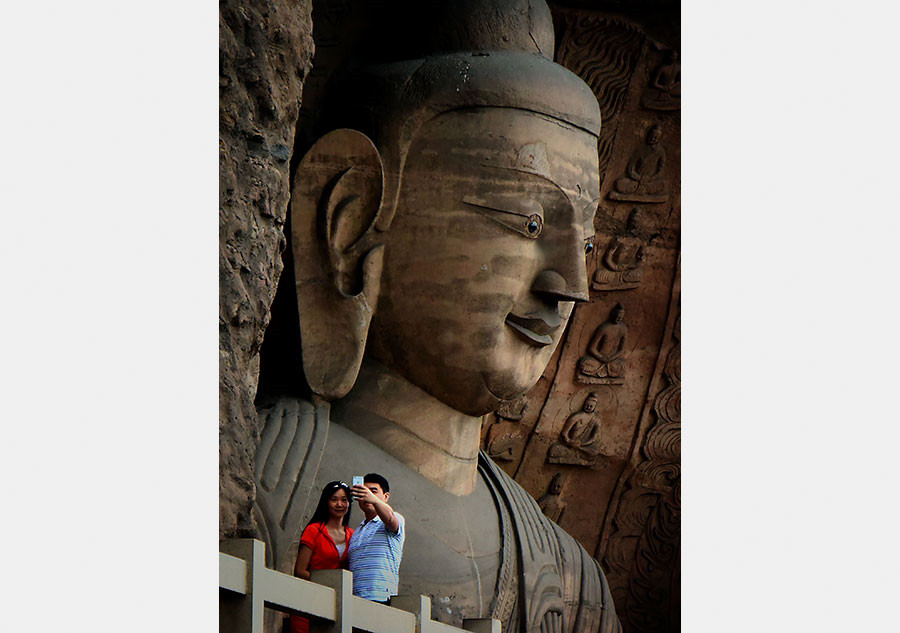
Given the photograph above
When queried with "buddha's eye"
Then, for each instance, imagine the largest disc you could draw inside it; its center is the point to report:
(522, 215)
(589, 247)
(534, 225)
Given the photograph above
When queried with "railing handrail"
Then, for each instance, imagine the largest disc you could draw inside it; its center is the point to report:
(251, 586)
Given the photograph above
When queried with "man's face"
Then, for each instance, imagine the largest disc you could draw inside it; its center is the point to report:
(486, 254)
(378, 492)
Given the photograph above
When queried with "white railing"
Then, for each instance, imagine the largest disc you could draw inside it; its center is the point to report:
(249, 587)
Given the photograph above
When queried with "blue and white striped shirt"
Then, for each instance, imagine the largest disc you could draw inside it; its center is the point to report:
(374, 558)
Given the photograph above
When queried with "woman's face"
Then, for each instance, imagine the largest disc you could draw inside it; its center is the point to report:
(338, 504)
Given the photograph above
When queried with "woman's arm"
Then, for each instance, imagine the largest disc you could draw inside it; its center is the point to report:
(301, 567)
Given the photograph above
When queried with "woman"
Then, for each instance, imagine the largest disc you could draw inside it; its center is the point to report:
(325, 539)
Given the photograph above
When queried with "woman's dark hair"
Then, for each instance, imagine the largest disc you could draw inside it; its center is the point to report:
(321, 515)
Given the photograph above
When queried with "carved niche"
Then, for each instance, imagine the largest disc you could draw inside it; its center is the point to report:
(664, 89)
(621, 266)
(578, 442)
(643, 178)
(605, 53)
(604, 363)
(551, 502)
(643, 551)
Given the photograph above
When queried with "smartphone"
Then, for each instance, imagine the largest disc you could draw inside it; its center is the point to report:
(357, 480)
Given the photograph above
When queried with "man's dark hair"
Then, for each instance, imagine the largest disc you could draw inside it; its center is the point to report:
(375, 478)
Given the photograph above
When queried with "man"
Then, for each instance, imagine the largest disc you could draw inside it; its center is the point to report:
(377, 544)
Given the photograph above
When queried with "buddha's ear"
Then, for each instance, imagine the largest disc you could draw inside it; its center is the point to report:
(337, 196)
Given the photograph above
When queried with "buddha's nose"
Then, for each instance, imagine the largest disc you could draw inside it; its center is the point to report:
(564, 274)
(569, 284)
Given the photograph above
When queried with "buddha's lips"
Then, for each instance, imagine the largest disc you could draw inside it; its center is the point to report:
(535, 329)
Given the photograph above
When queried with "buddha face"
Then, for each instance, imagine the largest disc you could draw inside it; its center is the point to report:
(486, 254)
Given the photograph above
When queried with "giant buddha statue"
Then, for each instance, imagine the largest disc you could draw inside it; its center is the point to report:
(439, 230)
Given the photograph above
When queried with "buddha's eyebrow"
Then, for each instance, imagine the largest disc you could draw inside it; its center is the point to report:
(537, 176)
(506, 203)
(588, 209)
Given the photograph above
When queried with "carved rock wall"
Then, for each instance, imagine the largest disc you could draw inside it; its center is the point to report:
(265, 53)
(620, 489)
(606, 412)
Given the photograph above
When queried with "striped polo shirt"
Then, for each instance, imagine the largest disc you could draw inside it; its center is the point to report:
(374, 558)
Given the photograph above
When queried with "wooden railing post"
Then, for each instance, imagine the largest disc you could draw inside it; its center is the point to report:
(341, 581)
(243, 613)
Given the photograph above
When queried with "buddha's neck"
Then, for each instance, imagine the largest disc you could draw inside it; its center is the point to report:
(433, 439)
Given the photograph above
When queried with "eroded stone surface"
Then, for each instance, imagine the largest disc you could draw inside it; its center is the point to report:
(265, 52)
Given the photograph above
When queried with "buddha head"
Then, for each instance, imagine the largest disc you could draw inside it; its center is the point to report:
(556, 484)
(440, 227)
(653, 135)
(618, 313)
(590, 403)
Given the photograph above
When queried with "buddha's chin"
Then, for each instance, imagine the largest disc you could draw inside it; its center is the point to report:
(478, 394)
(506, 386)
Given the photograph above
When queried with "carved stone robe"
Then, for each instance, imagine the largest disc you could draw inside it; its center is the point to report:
(491, 553)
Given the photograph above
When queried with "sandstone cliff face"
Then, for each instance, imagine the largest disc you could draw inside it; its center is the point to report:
(616, 462)
(265, 53)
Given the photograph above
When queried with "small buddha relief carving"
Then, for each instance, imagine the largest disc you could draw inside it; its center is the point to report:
(514, 410)
(578, 442)
(622, 263)
(551, 502)
(605, 361)
(501, 444)
(664, 90)
(643, 179)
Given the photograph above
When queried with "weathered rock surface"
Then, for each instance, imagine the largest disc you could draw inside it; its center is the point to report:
(265, 53)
